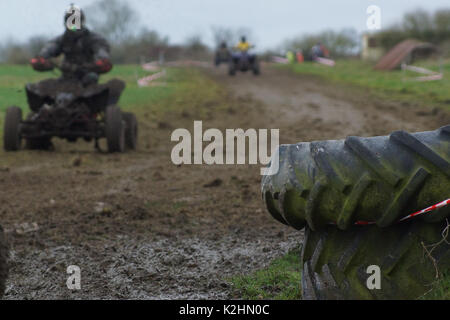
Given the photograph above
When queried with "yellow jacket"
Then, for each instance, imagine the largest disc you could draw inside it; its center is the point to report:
(243, 46)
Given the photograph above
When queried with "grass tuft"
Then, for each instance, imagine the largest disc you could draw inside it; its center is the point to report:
(281, 280)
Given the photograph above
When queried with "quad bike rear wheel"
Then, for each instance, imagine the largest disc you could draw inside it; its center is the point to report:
(3, 262)
(131, 131)
(115, 129)
(11, 133)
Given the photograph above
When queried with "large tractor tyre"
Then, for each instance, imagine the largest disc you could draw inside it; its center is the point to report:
(11, 129)
(379, 179)
(3, 262)
(115, 129)
(410, 256)
(131, 131)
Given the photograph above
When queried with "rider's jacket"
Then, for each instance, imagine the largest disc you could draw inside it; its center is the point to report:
(79, 47)
(243, 46)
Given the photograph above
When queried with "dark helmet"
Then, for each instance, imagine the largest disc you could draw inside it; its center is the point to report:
(73, 16)
(243, 39)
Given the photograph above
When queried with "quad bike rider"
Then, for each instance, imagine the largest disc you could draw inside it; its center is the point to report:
(222, 54)
(75, 105)
(319, 51)
(242, 60)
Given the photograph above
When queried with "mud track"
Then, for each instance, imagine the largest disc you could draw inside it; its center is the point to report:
(140, 227)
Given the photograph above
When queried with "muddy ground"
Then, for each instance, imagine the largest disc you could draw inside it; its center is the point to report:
(140, 227)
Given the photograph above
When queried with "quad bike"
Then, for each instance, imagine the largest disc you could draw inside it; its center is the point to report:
(350, 196)
(3, 262)
(222, 56)
(66, 109)
(243, 61)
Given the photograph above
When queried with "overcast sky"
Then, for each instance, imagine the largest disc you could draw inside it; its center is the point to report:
(271, 21)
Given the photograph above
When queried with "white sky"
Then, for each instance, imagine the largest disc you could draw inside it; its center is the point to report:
(271, 21)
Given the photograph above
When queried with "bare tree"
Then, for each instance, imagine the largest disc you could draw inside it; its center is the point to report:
(222, 34)
(114, 19)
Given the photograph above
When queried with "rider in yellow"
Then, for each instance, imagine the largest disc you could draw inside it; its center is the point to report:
(243, 45)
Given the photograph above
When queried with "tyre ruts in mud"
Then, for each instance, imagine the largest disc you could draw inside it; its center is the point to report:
(3, 262)
(328, 186)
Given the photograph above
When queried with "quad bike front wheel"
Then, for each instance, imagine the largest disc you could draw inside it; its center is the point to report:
(3, 262)
(115, 129)
(11, 130)
(131, 131)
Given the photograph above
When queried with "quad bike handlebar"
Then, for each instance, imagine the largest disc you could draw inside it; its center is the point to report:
(42, 65)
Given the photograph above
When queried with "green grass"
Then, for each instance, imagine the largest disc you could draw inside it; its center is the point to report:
(281, 280)
(394, 85)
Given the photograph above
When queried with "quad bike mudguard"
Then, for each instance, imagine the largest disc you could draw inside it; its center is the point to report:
(96, 96)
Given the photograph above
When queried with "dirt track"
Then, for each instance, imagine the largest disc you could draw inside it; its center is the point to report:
(167, 231)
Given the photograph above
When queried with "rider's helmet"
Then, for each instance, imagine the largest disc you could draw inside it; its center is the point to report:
(74, 18)
(243, 39)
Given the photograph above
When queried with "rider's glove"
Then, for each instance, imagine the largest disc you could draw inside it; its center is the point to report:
(103, 65)
(41, 64)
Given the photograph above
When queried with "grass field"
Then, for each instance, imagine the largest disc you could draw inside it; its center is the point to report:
(394, 85)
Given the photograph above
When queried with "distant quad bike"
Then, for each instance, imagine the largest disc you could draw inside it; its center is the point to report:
(222, 56)
(3, 262)
(354, 198)
(243, 61)
(66, 109)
